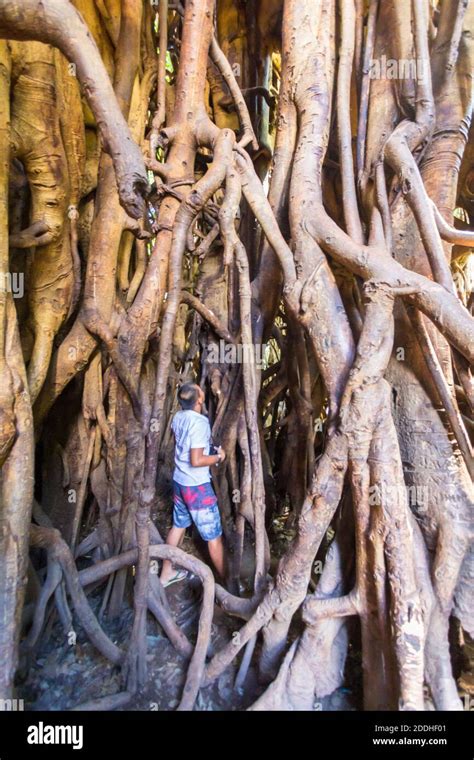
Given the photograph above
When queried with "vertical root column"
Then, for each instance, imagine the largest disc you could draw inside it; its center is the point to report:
(408, 625)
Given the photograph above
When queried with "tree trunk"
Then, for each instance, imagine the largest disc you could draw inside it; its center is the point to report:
(311, 194)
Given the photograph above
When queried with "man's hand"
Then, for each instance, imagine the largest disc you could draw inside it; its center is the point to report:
(221, 453)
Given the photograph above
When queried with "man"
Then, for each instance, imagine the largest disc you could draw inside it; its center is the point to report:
(194, 499)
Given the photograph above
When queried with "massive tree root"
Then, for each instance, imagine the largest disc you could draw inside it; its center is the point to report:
(52, 22)
(352, 389)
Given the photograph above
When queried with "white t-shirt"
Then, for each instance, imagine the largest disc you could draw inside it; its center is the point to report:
(192, 431)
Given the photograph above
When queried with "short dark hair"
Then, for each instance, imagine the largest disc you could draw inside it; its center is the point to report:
(188, 395)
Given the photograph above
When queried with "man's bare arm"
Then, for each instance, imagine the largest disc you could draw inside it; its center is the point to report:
(199, 459)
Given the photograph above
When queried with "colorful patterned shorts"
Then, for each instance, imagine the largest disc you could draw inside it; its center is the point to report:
(197, 504)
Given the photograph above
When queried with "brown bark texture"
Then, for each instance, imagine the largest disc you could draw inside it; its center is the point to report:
(274, 199)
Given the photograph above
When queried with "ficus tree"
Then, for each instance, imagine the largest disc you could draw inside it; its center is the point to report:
(272, 198)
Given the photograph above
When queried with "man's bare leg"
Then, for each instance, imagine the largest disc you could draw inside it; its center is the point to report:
(216, 551)
(174, 538)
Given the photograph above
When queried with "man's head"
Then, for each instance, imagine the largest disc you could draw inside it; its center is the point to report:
(191, 396)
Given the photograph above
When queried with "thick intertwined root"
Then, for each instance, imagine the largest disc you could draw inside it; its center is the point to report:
(148, 311)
